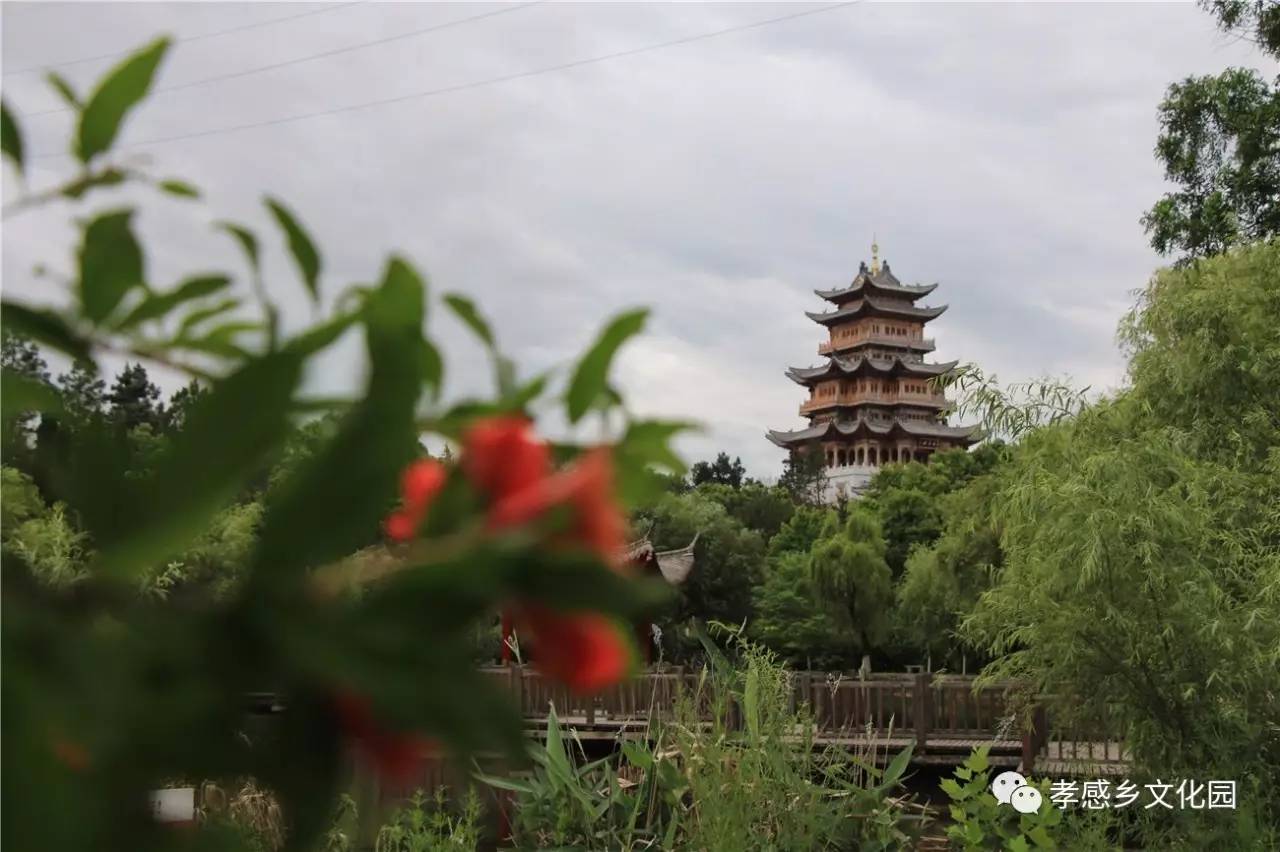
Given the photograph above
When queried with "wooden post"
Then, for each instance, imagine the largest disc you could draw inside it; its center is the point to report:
(923, 704)
(1033, 736)
(506, 638)
(515, 675)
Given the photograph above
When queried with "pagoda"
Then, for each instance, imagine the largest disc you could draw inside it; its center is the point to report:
(875, 401)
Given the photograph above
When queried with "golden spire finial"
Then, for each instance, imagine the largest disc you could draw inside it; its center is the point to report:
(875, 256)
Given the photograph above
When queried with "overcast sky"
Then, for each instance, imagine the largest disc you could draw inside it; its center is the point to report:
(1002, 150)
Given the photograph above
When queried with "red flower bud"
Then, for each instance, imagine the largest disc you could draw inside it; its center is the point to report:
(419, 484)
(585, 651)
(502, 456)
(396, 756)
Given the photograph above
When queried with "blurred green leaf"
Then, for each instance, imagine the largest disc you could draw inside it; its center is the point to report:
(319, 515)
(193, 319)
(227, 435)
(46, 327)
(248, 242)
(64, 90)
(466, 310)
(591, 378)
(323, 335)
(304, 251)
(10, 137)
(108, 177)
(160, 304)
(22, 393)
(528, 392)
(432, 369)
(119, 91)
(111, 264)
(182, 189)
(649, 441)
(221, 342)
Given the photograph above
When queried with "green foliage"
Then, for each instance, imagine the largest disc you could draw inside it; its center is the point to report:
(756, 506)
(40, 536)
(589, 383)
(791, 620)
(117, 93)
(1219, 144)
(803, 529)
(160, 304)
(756, 779)
(300, 246)
(980, 822)
(722, 471)
(176, 559)
(568, 801)
(804, 477)
(423, 825)
(849, 569)
(1204, 357)
(1141, 571)
(728, 556)
(11, 138)
(751, 780)
(941, 582)
(111, 264)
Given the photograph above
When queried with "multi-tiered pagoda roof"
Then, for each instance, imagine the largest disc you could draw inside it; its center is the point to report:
(874, 400)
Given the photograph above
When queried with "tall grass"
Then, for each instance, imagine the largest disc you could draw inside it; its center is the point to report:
(735, 769)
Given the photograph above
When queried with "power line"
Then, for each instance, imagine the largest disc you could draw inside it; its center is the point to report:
(333, 7)
(323, 55)
(462, 87)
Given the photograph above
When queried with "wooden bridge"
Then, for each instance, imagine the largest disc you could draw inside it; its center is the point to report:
(943, 716)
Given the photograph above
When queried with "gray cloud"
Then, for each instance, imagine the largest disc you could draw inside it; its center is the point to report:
(1001, 149)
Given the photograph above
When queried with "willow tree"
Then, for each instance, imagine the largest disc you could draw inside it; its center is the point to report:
(1141, 541)
(849, 570)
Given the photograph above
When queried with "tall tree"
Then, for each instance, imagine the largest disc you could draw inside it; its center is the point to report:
(722, 472)
(1220, 144)
(804, 477)
(20, 356)
(849, 570)
(83, 392)
(135, 401)
(180, 404)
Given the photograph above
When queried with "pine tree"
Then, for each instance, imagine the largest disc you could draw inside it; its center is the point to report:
(83, 392)
(180, 405)
(135, 400)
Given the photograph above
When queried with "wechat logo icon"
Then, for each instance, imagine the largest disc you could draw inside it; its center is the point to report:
(1010, 788)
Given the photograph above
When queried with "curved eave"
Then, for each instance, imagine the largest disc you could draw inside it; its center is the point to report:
(881, 343)
(963, 435)
(861, 283)
(885, 405)
(867, 307)
(836, 367)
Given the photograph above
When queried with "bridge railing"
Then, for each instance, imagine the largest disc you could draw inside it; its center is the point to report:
(922, 706)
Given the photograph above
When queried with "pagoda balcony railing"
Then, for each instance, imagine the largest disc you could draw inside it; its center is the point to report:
(859, 398)
(827, 347)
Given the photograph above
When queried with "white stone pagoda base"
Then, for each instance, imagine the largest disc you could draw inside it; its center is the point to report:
(849, 480)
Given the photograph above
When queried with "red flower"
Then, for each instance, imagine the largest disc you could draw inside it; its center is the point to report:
(504, 459)
(419, 484)
(502, 456)
(586, 489)
(396, 756)
(585, 651)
